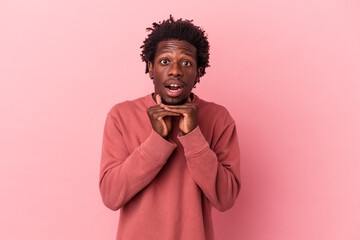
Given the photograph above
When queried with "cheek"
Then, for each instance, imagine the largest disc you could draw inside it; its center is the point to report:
(192, 79)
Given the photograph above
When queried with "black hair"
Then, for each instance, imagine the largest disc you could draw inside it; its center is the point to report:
(179, 30)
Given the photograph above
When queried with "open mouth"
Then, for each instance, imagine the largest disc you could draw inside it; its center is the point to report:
(173, 88)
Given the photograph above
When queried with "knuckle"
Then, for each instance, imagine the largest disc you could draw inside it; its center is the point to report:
(150, 109)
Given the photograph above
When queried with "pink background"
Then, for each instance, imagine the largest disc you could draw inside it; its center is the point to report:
(288, 71)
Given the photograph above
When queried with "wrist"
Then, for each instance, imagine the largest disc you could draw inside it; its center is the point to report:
(188, 131)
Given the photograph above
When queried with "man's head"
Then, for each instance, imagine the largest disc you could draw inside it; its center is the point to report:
(176, 54)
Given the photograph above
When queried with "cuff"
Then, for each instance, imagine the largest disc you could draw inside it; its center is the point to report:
(194, 142)
(157, 147)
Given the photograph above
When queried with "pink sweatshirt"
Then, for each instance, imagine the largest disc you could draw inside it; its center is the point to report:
(165, 189)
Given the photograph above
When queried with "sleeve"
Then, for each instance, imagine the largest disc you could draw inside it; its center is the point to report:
(216, 172)
(124, 174)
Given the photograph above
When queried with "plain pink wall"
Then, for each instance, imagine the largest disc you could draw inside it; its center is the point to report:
(288, 71)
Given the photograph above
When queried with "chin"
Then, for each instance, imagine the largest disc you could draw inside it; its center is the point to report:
(174, 102)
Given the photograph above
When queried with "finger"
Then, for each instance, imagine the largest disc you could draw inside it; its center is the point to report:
(162, 114)
(189, 106)
(159, 110)
(178, 110)
(153, 109)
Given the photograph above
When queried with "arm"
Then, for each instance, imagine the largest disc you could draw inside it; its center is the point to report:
(217, 171)
(124, 174)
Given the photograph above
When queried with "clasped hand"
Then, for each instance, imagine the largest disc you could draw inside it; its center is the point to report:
(160, 116)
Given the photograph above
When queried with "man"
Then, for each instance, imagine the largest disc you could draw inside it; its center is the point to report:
(169, 157)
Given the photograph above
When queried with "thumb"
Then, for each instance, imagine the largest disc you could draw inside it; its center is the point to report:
(158, 99)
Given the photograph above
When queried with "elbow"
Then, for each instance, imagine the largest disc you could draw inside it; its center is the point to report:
(222, 207)
(229, 201)
(225, 203)
(111, 205)
(109, 199)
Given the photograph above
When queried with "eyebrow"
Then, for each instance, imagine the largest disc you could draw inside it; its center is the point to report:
(185, 52)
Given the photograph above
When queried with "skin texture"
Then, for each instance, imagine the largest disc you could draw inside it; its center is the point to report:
(175, 62)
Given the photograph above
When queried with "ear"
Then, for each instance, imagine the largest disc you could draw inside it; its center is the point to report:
(198, 74)
(150, 67)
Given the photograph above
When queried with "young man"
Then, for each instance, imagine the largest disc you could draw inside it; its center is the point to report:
(168, 158)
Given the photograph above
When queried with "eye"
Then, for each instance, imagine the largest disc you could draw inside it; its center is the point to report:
(164, 61)
(186, 63)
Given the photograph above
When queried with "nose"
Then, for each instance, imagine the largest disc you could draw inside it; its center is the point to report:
(175, 70)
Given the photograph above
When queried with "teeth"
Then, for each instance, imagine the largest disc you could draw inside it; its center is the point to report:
(174, 90)
(174, 85)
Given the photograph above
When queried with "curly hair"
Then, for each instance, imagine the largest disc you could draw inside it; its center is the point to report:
(179, 30)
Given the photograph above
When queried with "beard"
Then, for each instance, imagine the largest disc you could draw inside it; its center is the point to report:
(173, 103)
(176, 103)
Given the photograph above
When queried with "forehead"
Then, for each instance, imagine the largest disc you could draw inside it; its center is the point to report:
(176, 46)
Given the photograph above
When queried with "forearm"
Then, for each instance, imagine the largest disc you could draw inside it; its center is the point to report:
(217, 174)
(123, 175)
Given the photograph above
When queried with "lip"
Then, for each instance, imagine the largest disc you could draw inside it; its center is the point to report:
(174, 81)
(171, 93)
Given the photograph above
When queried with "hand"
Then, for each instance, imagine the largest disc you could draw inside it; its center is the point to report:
(160, 118)
(189, 112)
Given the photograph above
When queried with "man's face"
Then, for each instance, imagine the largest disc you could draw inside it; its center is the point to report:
(174, 71)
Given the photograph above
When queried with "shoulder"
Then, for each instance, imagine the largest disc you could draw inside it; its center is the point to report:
(214, 111)
(129, 106)
(211, 106)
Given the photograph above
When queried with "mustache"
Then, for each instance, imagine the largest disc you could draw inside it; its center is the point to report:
(176, 81)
